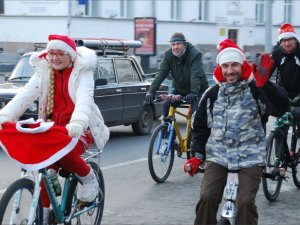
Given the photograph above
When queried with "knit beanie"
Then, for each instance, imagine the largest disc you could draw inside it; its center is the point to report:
(177, 37)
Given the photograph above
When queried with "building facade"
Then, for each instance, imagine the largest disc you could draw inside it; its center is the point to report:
(253, 24)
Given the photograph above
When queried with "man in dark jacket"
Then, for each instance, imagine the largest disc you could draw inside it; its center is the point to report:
(184, 62)
(286, 56)
(228, 132)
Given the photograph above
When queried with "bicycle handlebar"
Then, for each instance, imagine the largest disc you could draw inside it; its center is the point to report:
(171, 98)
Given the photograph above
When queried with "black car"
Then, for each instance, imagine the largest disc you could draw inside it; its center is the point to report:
(120, 87)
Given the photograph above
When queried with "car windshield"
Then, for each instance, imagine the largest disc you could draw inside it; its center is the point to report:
(23, 69)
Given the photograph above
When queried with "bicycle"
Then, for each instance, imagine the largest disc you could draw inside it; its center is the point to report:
(21, 203)
(163, 142)
(279, 159)
(229, 209)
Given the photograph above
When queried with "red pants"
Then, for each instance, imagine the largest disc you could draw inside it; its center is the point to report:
(72, 162)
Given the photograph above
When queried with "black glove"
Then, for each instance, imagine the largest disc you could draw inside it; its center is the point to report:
(190, 98)
(149, 98)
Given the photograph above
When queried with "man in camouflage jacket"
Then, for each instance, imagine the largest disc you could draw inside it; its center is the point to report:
(228, 132)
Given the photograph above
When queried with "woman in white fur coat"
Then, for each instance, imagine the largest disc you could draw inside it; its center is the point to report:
(63, 82)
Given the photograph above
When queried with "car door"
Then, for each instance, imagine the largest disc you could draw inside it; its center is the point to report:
(109, 97)
(134, 89)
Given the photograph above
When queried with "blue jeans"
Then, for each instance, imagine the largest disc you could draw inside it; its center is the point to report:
(166, 105)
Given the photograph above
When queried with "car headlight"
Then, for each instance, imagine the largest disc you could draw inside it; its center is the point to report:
(33, 107)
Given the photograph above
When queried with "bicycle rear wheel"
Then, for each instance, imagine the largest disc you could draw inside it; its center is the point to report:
(272, 186)
(15, 204)
(159, 161)
(93, 215)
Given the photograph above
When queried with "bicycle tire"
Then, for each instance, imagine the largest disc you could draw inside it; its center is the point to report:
(93, 216)
(26, 188)
(160, 165)
(296, 166)
(271, 187)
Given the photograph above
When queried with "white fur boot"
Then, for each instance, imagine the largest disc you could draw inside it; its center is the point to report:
(90, 187)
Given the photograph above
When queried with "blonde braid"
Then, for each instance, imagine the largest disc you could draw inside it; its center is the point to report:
(50, 102)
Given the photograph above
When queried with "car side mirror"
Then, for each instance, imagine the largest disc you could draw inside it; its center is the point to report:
(100, 82)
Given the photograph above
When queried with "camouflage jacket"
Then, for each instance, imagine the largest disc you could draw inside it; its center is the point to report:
(228, 127)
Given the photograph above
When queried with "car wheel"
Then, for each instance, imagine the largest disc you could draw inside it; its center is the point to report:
(145, 122)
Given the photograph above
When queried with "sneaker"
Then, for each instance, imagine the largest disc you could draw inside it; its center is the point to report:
(90, 187)
(46, 212)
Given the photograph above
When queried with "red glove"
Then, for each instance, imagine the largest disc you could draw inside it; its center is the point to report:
(192, 166)
(261, 72)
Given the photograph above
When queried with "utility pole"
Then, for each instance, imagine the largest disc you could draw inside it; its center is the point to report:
(69, 16)
(268, 26)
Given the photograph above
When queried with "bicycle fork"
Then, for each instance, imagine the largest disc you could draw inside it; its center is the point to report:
(164, 149)
(35, 198)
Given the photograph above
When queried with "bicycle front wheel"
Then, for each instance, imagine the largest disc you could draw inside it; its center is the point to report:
(160, 159)
(296, 165)
(272, 186)
(15, 204)
(89, 213)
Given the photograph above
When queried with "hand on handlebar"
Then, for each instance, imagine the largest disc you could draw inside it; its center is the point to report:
(190, 98)
(192, 166)
(149, 98)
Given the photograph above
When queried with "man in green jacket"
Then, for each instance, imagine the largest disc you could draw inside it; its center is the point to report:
(184, 62)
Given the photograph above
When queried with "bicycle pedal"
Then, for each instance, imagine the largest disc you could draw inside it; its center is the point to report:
(81, 205)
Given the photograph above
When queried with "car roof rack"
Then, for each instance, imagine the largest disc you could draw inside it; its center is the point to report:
(39, 45)
(109, 45)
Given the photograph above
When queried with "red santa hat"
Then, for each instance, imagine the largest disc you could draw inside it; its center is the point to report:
(63, 43)
(228, 51)
(286, 31)
(42, 143)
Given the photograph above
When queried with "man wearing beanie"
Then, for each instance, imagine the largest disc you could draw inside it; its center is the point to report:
(184, 62)
(228, 132)
(64, 85)
(286, 56)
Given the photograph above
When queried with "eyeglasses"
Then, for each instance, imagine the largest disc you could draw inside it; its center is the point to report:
(58, 55)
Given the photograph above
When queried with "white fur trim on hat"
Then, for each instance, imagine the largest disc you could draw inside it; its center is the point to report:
(287, 35)
(63, 46)
(230, 55)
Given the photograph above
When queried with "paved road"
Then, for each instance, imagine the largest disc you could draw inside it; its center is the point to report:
(133, 198)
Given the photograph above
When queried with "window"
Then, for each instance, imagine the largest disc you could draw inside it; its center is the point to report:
(105, 70)
(124, 70)
(1, 6)
(233, 34)
(176, 9)
(288, 11)
(259, 11)
(136, 77)
(203, 10)
(126, 8)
